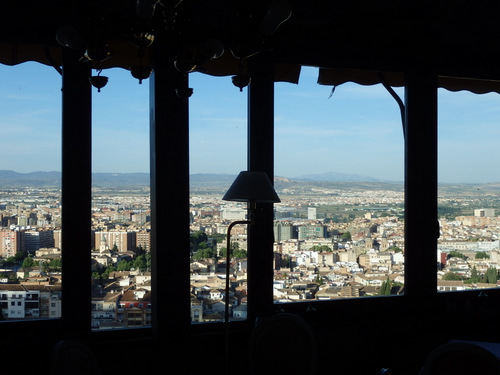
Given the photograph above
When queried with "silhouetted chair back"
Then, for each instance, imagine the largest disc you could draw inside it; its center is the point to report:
(282, 343)
(463, 358)
(73, 357)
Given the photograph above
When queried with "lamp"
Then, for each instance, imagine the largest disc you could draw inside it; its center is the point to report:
(68, 36)
(252, 187)
(98, 81)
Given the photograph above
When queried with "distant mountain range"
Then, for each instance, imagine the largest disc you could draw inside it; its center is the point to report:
(33, 179)
(198, 180)
(337, 177)
(53, 179)
(216, 182)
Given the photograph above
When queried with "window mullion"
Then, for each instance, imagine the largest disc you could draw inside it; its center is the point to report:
(261, 158)
(421, 225)
(76, 194)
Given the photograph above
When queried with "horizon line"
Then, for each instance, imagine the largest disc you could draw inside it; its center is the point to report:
(373, 180)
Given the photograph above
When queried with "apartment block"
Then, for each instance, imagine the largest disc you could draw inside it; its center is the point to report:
(312, 231)
(10, 243)
(284, 230)
(233, 213)
(143, 239)
(484, 212)
(123, 240)
(35, 239)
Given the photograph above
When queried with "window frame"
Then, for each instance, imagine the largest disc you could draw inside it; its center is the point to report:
(170, 156)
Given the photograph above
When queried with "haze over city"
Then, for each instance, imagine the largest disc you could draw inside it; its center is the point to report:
(355, 130)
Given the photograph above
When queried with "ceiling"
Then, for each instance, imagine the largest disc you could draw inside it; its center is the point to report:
(349, 40)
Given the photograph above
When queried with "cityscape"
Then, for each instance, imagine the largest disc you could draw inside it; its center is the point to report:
(332, 240)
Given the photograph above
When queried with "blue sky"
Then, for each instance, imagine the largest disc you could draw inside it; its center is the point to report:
(357, 130)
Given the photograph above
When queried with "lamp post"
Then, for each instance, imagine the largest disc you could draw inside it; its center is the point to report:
(251, 187)
(228, 261)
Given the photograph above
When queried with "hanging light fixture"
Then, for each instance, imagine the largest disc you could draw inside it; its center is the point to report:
(184, 94)
(241, 80)
(140, 72)
(99, 81)
(192, 56)
(97, 51)
(143, 39)
(69, 36)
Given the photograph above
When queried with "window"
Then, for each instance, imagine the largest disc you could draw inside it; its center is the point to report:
(468, 247)
(120, 191)
(333, 240)
(339, 229)
(218, 133)
(30, 195)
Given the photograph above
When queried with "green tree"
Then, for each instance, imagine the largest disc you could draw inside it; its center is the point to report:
(140, 263)
(347, 236)
(396, 249)
(236, 252)
(320, 248)
(385, 288)
(123, 265)
(27, 262)
(239, 253)
(107, 270)
(204, 254)
(475, 276)
(319, 279)
(491, 276)
(16, 259)
(482, 255)
(218, 237)
(452, 276)
(139, 250)
(196, 238)
(455, 254)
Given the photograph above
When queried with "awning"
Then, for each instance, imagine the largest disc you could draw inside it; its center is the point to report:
(365, 42)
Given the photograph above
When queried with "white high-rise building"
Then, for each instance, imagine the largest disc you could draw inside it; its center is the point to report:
(311, 213)
(233, 213)
(484, 212)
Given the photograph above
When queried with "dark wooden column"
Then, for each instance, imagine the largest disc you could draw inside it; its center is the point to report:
(169, 137)
(261, 158)
(421, 225)
(76, 195)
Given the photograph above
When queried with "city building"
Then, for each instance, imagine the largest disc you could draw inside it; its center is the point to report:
(21, 302)
(143, 240)
(233, 213)
(134, 308)
(312, 231)
(484, 212)
(284, 230)
(11, 242)
(122, 240)
(35, 239)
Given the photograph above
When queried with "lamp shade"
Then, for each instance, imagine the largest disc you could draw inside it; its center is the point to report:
(251, 186)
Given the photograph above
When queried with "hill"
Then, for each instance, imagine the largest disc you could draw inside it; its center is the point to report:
(219, 183)
(53, 179)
